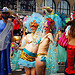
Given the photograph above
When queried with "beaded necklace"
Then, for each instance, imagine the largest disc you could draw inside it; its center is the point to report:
(33, 37)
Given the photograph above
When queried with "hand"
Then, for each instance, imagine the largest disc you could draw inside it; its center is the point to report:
(10, 74)
(56, 45)
(21, 48)
(17, 47)
(53, 42)
(38, 41)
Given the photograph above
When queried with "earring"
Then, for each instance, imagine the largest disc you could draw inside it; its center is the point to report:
(50, 30)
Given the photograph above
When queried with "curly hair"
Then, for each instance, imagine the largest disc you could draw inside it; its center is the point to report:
(72, 29)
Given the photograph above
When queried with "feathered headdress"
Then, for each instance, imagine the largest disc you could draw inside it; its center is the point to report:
(35, 18)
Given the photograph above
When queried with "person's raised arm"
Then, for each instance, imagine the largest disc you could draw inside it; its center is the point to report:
(56, 39)
(50, 37)
(25, 42)
(12, 39)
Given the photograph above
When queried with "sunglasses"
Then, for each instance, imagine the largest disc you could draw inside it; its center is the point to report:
(33, 26)
(4, 12)
(46, 27)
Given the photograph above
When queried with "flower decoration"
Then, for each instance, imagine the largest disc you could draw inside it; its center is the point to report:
(33, 23)
(52, 22)
(47, 10)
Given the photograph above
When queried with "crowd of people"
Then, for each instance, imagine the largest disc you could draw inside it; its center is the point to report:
(32, 42)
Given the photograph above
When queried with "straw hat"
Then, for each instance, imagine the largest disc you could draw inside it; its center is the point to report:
(17, 38)
(5, 9)
(14, 15)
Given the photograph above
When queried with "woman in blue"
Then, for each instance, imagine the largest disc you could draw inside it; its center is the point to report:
(46, 63)
(6, 27)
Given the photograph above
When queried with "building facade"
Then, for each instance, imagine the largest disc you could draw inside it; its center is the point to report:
(29, 6)
(65, 6)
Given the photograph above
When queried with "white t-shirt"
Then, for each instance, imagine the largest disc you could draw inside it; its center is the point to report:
(67, 29)
(23, 40)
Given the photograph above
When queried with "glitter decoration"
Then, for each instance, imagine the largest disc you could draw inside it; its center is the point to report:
(51, 60)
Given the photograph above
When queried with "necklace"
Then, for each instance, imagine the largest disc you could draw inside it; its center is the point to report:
(33, 37)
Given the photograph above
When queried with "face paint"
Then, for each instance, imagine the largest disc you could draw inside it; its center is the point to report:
(47, 26)
(48, 23)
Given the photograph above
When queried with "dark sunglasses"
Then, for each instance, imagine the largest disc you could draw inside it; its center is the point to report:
(4, 12)
(46, 27)
(33, 26)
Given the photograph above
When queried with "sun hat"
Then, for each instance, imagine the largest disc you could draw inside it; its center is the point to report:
(5, 9)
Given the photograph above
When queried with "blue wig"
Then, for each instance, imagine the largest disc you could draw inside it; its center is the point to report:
(40, 21)
(35, 16)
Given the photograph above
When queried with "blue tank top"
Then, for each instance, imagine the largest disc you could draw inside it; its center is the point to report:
(2, 25)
